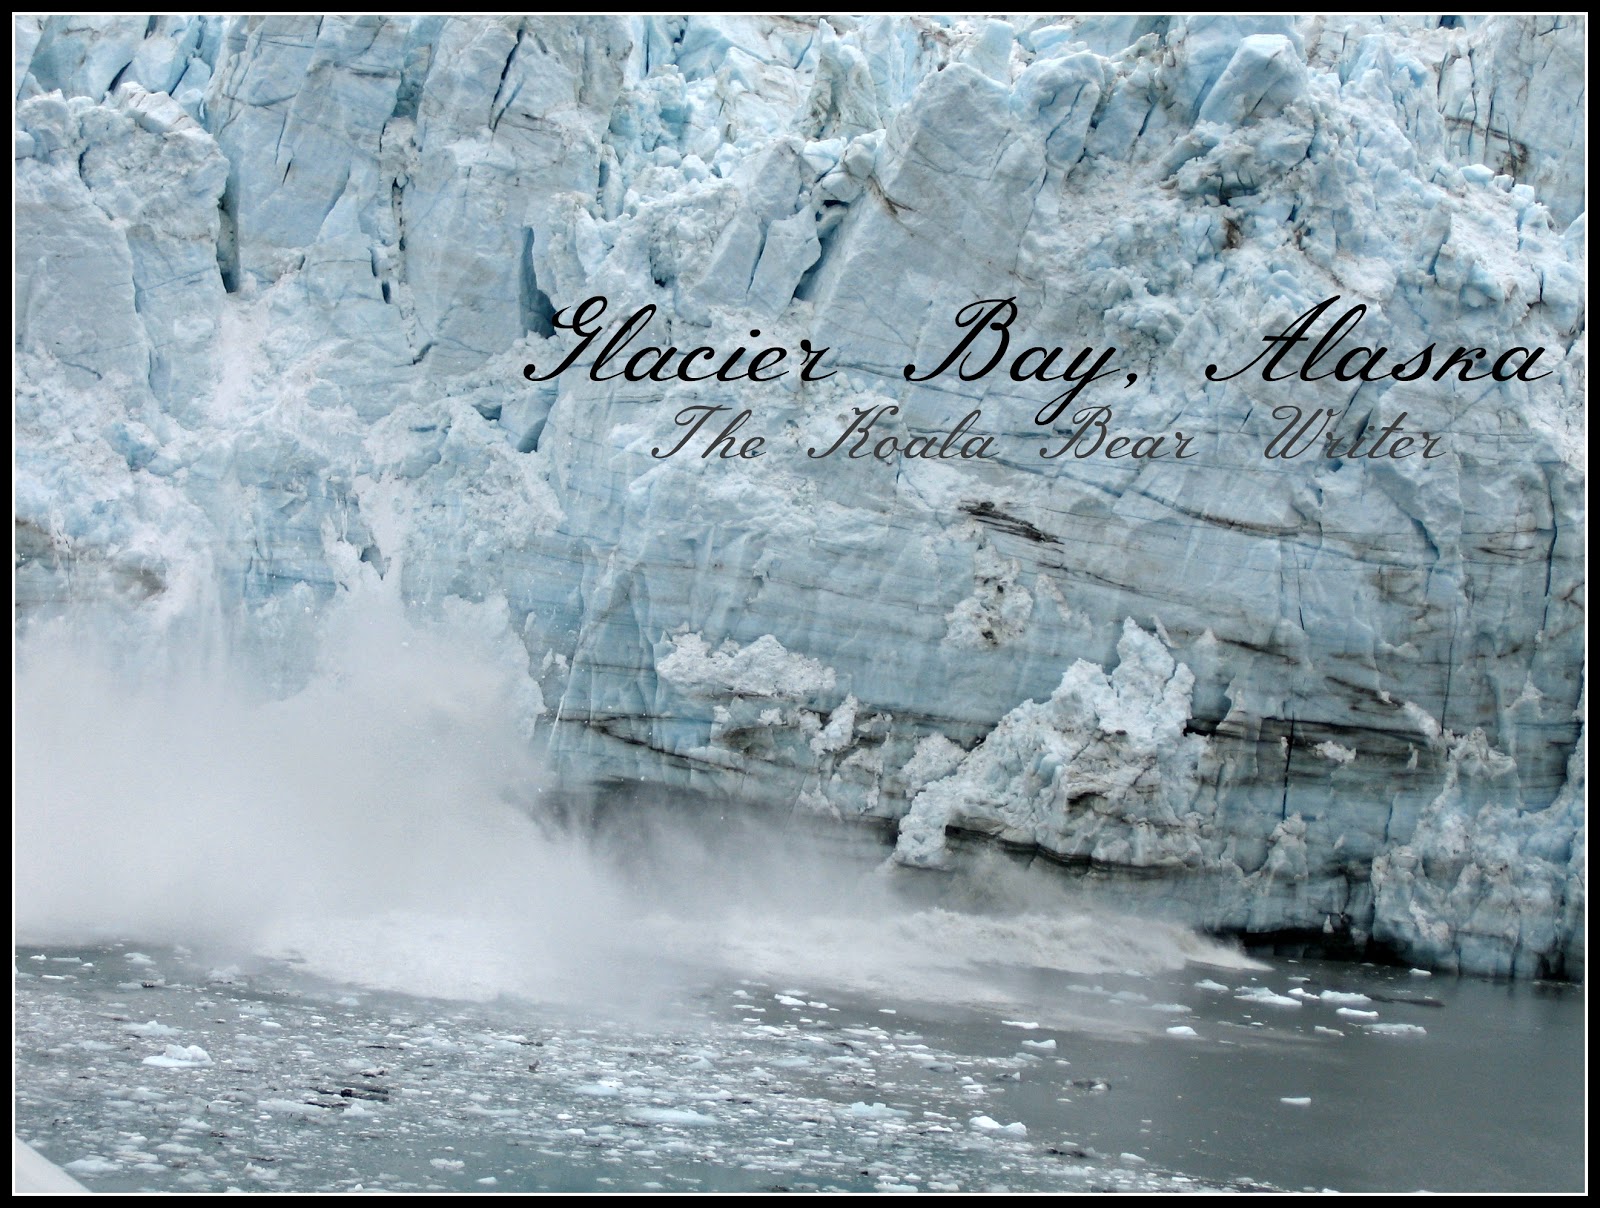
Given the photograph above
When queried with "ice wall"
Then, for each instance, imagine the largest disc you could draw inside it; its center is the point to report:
(277, 277)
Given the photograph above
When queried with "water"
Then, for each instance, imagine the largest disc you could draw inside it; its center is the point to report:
(729, 1083)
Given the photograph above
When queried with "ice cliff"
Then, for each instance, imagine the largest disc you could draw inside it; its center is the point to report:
(276, 279)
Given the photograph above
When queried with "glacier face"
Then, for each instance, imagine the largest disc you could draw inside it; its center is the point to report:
(277, 278)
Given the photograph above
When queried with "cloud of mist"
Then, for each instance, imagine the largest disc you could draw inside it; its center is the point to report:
(385, 824)
(396, 783)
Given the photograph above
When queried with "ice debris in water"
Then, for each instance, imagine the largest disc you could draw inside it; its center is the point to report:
(1264, 996)
(1396, 1029)
(988, 1124)
(178, 1056)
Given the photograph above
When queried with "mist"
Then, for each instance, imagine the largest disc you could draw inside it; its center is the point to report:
(397, 783)
(388, 823)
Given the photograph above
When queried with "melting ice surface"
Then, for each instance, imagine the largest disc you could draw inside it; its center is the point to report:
(341, 939)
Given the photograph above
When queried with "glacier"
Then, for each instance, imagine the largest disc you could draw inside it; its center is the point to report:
(277, 277)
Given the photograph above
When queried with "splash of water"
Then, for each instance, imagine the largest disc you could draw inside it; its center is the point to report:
(382, 823)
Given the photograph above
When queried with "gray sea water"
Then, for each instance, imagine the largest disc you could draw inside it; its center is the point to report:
(151, 1069)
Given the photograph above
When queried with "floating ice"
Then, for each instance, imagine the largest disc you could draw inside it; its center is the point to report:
(1266, 997)
(988, 1124)
(93, 1164)
(178, 1056)
(150, 1028)
(676, 1116)
(1396, 1029)
(875, 1111)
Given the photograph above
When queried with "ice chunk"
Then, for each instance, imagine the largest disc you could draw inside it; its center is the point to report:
(1343, 996)
(988, 1124)
(1396, 1029)
(679, 1117)
(93, 1164)
(875, 1111)
(150, 1028)
(1266, 997)
(178, 1056)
